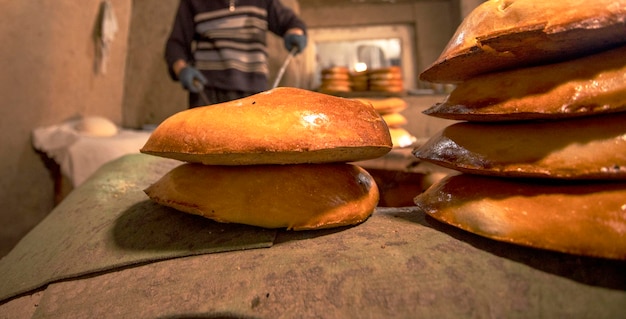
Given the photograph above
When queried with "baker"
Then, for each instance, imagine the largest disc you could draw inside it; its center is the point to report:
(219, 48)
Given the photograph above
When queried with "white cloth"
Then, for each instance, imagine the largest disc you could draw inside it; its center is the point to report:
(80, 155)
(108, 27)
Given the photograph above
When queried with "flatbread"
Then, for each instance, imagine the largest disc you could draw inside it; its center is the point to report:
(297, 197)
(584, 148)
(506, 34)
(580, 218)
(385, 105)
(590, 85)
(281, 126)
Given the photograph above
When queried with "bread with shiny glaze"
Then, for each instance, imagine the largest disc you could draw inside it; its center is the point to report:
(592, 147)
(590, 85)
(281, 126)
(583, 218)
(298, 196)
(385, 105)
(507, 34)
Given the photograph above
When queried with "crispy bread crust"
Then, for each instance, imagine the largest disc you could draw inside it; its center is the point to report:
(298, 196)
(506, 34)
(280, 126)
(572, 217)
(584, 148)
(590, 85)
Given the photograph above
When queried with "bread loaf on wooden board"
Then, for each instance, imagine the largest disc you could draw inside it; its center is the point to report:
(297, 196)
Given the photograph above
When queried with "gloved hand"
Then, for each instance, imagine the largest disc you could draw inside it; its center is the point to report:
(188, 76)
(295, 40)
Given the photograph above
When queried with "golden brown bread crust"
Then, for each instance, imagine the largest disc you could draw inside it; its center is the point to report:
(395, 120)
(331, 85)
(387, 70)
(401, 137)
(336, 69)
(506, 34)
(385, 105)
(345, 76)
(280, 126)
(397, 76)
(298, 197)
(586, 86)
(573, 217)
(584, 148)
(394, 88)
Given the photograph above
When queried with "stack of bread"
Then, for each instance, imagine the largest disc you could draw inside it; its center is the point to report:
(540, 148)
(335, 79)
(341, 79)
(387, 79)
(359, 81)
(390, 109)
(277, 159)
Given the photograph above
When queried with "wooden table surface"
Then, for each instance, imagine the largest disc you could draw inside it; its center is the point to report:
(108, 252)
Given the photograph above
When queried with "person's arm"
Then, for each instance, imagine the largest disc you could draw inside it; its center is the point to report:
(178, 65)
(178, 50)
(297, 31)
(295, 38)
(285, 23)
(178, 46)
(282, 20)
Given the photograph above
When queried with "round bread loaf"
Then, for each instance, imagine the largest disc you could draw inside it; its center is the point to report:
(340, 76)
(359, 86)
(361, 75)
(392, 88)
(394, 69)
(339, 85)
(280, 126)
(336, 82)
(584, 148)
(336, 69)
(378, 76)
(359, 81)
(298, 196)
(385, 105)
(96, 126)
(395, 120)
(334, 88)
(589, 85)
(401, 137)
(335, 79)
(572, 217)
(506, 34)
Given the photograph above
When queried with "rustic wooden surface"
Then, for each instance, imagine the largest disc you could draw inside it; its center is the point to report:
(399, 263)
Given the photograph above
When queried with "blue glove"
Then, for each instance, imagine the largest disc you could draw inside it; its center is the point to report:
(295, 40)
(188, 77)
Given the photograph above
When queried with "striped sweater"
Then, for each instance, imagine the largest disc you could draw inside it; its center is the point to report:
(226, 40)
